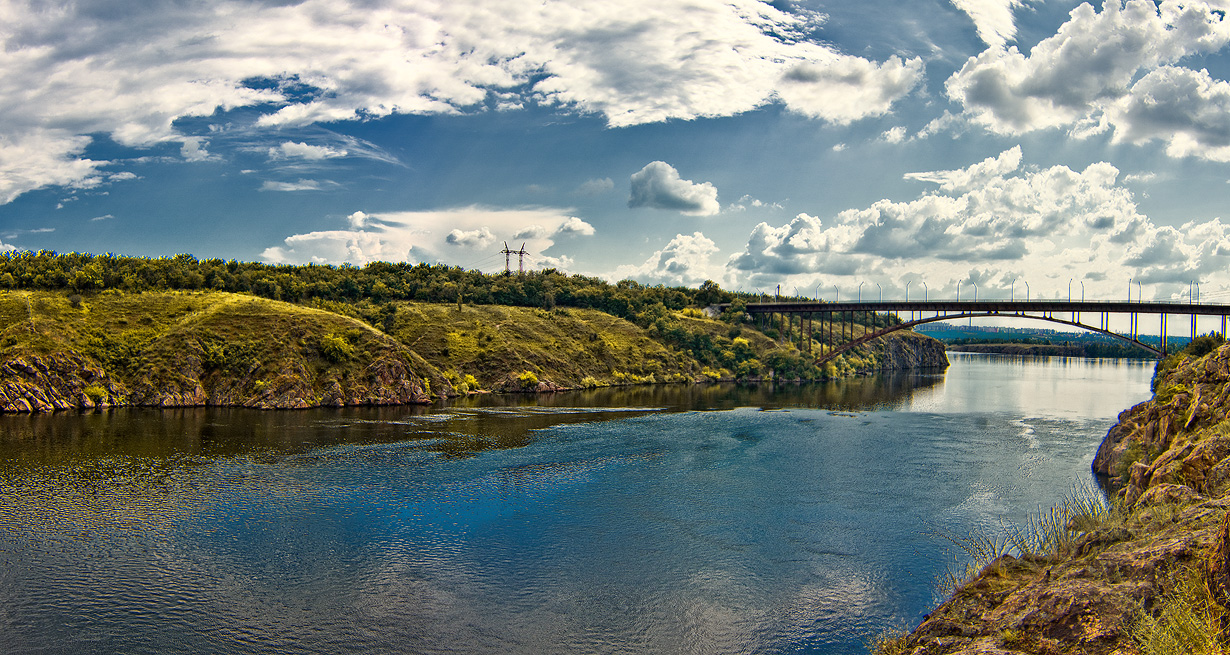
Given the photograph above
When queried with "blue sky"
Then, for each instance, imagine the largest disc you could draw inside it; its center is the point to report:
(812, 145)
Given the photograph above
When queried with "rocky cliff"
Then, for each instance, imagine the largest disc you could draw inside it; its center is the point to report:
(910, 350)
(1111, 582)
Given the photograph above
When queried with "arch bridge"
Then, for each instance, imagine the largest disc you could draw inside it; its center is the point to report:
(836, 333)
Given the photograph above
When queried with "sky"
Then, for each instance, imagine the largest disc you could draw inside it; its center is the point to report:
(1040, 147)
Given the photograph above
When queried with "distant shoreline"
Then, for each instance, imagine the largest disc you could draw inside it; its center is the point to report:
(1040, 350)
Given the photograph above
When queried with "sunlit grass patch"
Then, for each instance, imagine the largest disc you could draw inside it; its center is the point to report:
(1044, 535)
(1186, 621)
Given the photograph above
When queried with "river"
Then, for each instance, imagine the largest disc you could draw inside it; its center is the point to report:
(670, 519)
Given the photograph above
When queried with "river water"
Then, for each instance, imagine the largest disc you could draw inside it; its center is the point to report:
(706, 519)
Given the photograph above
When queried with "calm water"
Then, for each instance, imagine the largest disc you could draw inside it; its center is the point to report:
(673, 520)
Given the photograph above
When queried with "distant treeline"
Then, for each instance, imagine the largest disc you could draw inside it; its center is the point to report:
(1035, 346)
(377, 281)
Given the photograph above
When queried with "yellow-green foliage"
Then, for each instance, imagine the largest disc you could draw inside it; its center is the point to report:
(528, 380)
(95, 393)
(150, 338)
(564, 346)
(1168, 392)
(1135, 452)
(1185, 621)
(335, 348)
(889, 642)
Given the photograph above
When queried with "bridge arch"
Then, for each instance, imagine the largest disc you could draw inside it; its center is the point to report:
(838, 349)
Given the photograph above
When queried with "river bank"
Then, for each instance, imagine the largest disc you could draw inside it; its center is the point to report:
(1085, 578)
(210, 348)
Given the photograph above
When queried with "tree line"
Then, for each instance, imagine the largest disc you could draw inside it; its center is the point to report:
(378, 282)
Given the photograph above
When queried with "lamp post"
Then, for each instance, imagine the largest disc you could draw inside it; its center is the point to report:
(926, 291)
(1069, 289)
(958, 290)
(1027, 291)
(1129, 289)
(907, 290)
(1140, 295)
(837, 297)
(881, 291)
(860, 291)
(1082, 291)
(971, 318)
(1012, 290)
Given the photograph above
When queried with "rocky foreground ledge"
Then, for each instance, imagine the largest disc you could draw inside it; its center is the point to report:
(1112, 583)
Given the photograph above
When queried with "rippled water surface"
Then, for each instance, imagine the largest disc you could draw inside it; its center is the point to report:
(669, 519)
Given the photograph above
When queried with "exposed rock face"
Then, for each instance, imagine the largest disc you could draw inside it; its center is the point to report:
(294, 383)
(34, 383)
(912, 351)
(1166, 441)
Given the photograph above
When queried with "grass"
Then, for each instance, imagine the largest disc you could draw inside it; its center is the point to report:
(1047, 534)
(164, 339)
(567, 346)
(1186, 621)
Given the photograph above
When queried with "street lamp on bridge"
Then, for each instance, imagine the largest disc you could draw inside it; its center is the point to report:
(1012, 290)
(860, 290)
(881, 291)
(907, 290)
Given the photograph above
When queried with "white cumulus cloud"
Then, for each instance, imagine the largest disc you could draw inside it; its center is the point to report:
(575, 226)
(1047, 225)
(300, 150)
(684, 261)
(992, 18)
(459, 236)
(480, 238)
(1110, 70)
(135, 71)
(658, 185)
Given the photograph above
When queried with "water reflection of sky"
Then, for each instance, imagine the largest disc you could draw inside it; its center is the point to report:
(1037, 386)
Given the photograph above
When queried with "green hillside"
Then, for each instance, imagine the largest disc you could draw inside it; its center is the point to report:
(185, 348)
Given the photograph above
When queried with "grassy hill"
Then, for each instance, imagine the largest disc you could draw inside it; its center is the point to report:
(185, 348)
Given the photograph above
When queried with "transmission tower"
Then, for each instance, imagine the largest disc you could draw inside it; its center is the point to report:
(508, 253)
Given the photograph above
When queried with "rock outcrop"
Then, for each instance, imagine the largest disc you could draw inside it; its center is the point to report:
(1169, 459)
(44, 383)
(909, 350)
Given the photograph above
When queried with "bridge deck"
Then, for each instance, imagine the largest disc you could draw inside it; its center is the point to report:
(1007, 307)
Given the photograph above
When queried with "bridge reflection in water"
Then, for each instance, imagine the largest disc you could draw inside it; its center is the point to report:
(840, 326)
